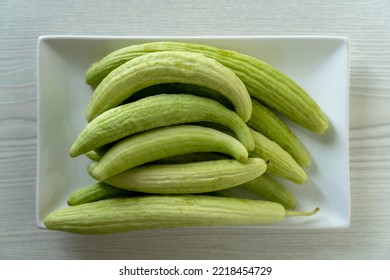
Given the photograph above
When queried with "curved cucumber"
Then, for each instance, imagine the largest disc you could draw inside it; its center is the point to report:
(168, 67)
(189, 178)
(165, 142)
(157, 111)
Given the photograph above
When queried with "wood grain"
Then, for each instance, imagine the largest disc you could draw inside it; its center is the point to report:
(365, 23)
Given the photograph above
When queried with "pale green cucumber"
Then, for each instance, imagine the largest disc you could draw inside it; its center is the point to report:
(164, 142)
(188, 178)
(153, 112)
(263, 82)
(168, 67)
(265, 121)
(165, 211)
(271, 190)
(280, 163)
(94, 192)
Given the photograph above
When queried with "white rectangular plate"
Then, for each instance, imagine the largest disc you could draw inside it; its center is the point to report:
(319, 64)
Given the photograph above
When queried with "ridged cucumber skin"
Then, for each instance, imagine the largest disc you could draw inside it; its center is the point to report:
(168, 67)
(189, 178)
(266, 121)
(271, 190)
(164, 142)
(95, 192)
(263, 82)
(162, 211)
(153, 112)
(280, 163)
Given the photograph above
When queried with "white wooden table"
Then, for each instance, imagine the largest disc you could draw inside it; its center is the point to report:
(365, 23)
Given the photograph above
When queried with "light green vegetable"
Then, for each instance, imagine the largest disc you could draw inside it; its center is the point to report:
(165, 211)
(188, 178)
(168, 67)
(164, 142)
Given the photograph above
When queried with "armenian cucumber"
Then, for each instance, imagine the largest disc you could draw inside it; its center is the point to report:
(164, 142)
(165, 211)
(168, 67)
(188, 178)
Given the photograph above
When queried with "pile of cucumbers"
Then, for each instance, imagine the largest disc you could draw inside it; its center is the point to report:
(173, 127)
